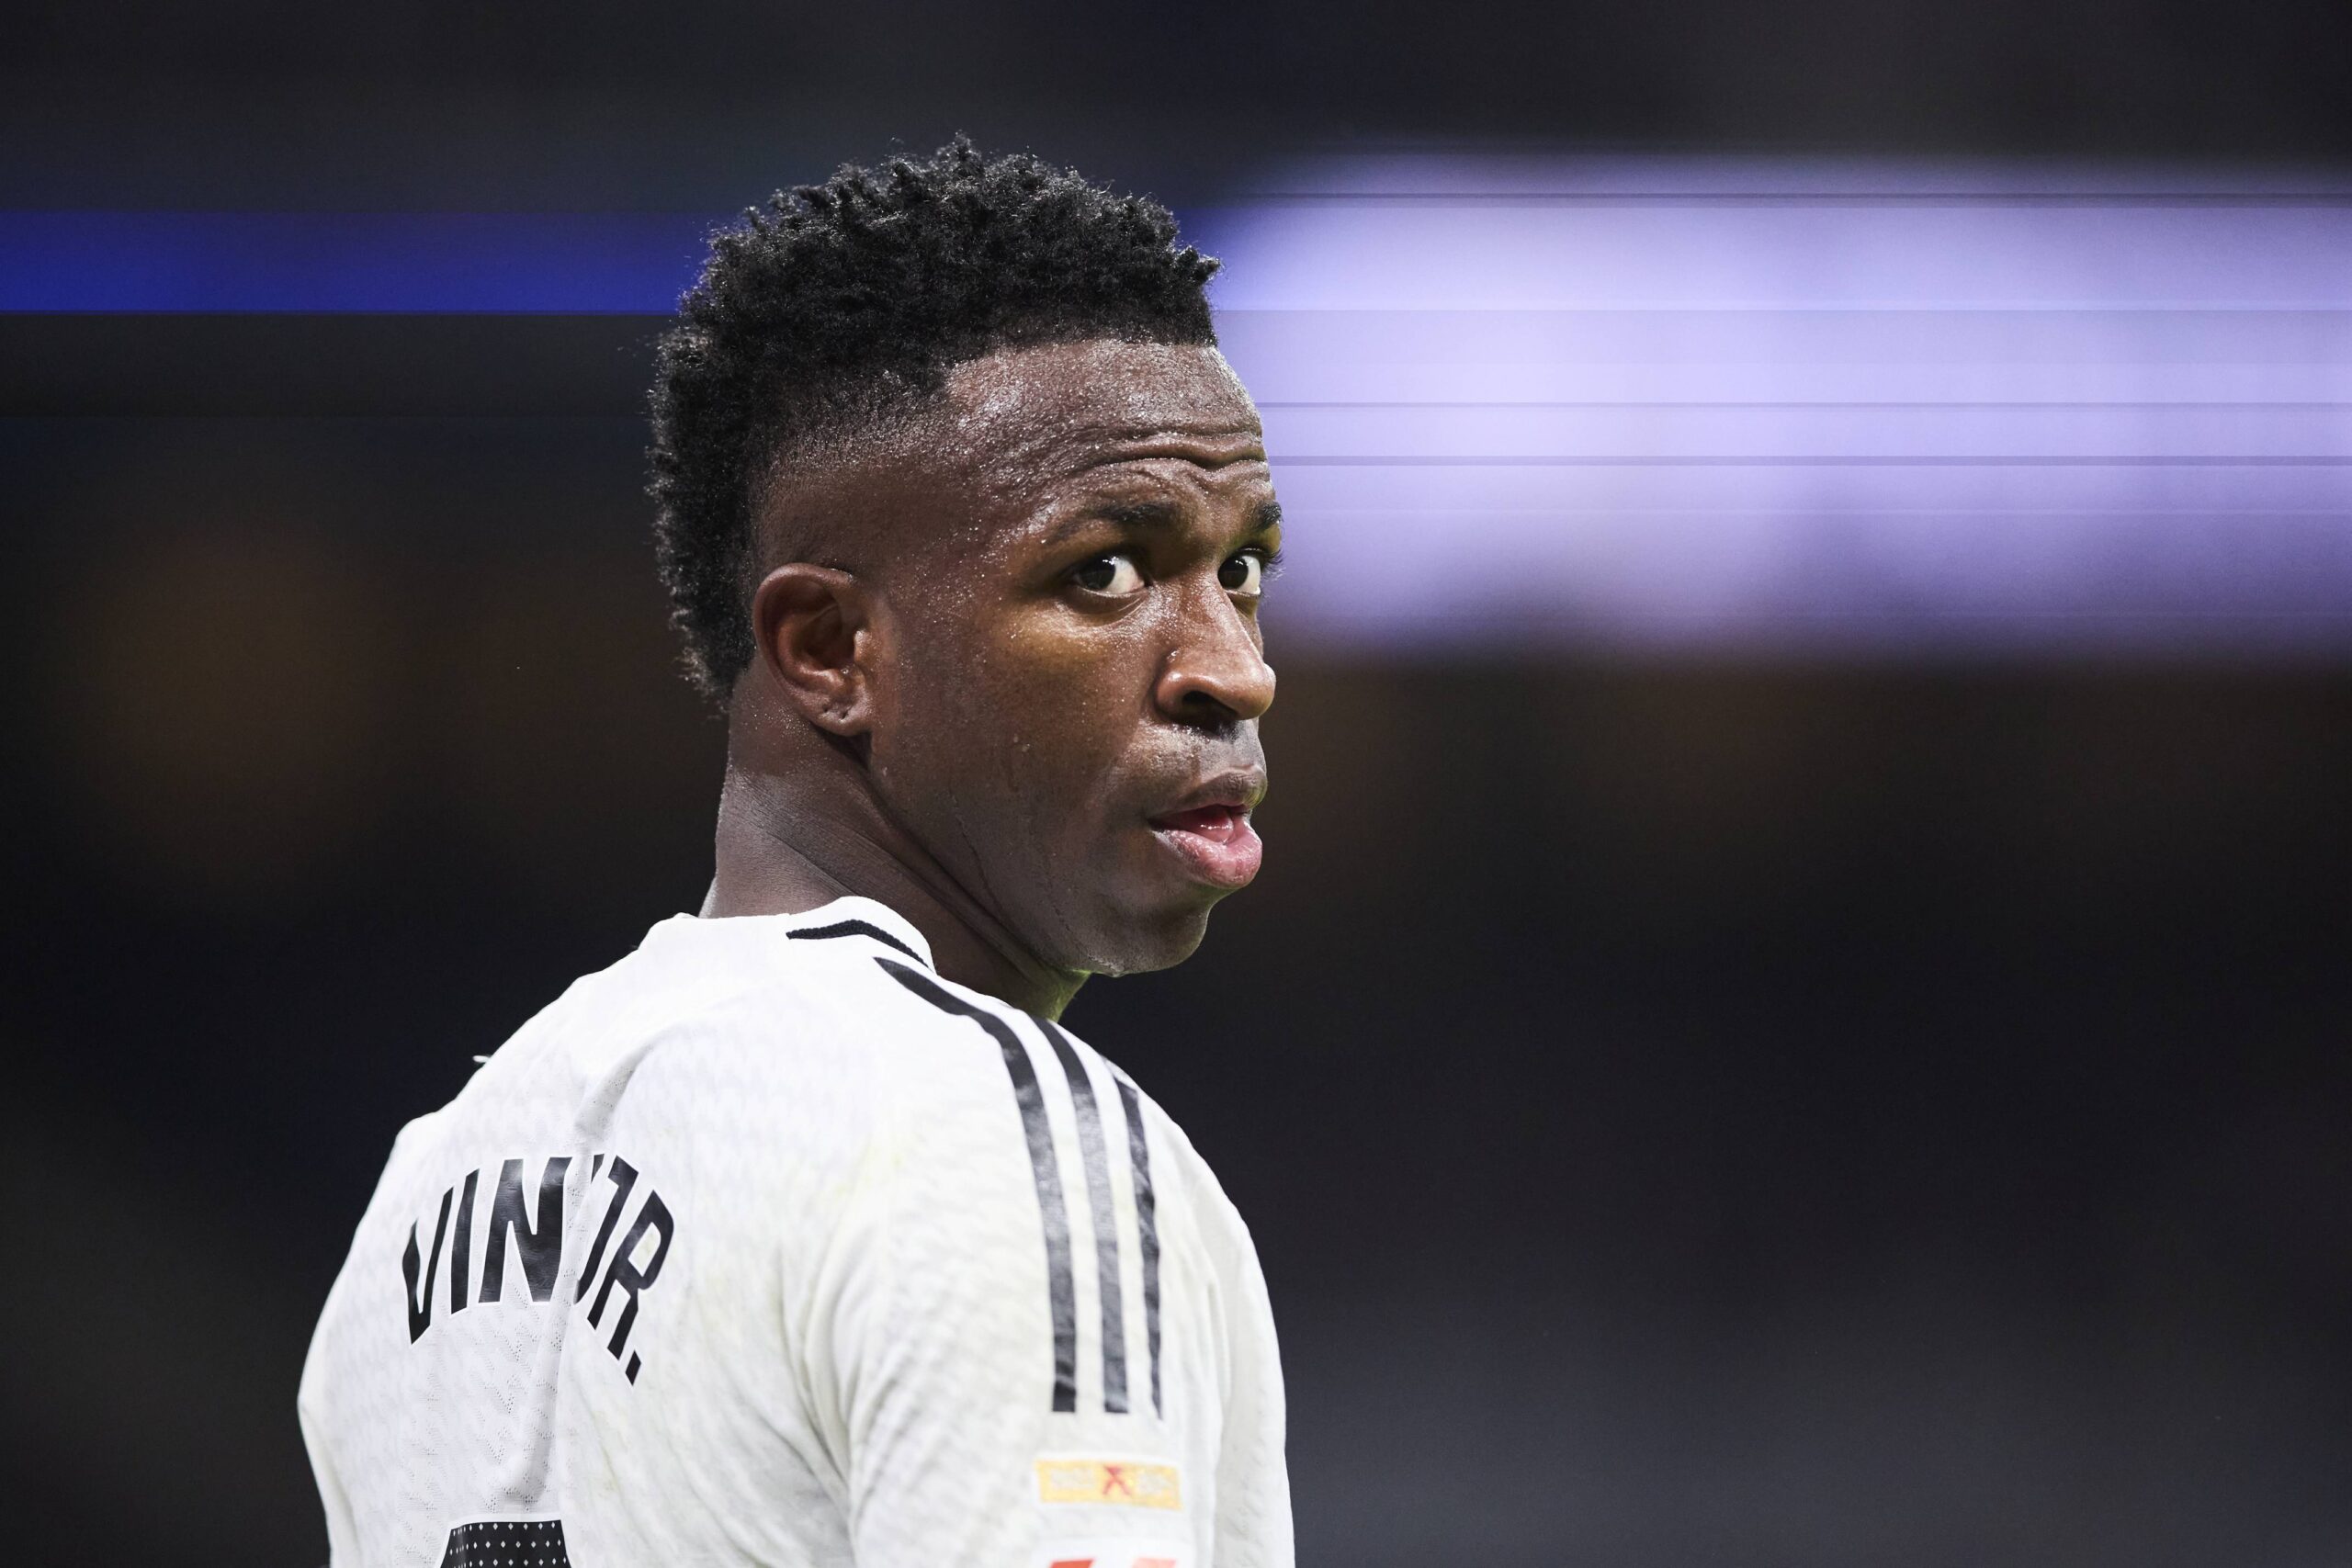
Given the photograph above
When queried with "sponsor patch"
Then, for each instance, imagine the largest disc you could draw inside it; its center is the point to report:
(1128, 1484)
(1107, 1554)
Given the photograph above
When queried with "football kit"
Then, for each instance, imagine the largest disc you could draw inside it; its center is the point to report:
(770, 1246)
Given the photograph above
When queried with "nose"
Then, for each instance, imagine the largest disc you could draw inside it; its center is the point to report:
(1216, 673)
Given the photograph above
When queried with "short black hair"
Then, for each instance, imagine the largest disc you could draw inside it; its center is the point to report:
(841, 303)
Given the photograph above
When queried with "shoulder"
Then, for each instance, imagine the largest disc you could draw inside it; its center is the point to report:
(844, 992)
(1185, 1184)
(1166, 1171)
(805, 1055)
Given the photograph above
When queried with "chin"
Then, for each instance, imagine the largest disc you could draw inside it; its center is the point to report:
(1138, 941)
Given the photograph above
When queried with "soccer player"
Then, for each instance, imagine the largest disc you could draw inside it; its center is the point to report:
(805, 1235)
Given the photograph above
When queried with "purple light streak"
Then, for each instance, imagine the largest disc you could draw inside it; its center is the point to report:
(1884, 410)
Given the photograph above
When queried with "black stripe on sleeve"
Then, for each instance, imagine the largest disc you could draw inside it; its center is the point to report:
(1061, 1295)
(1106, 1218)
(854, 928)
(1146, 1229)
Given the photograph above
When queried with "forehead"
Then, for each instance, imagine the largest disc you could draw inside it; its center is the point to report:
(1016, 435)
(1030, 418)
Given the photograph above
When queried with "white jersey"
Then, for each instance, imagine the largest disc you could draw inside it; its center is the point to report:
(769, 1246)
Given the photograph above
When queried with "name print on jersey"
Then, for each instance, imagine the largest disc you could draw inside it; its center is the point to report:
(537, 1240)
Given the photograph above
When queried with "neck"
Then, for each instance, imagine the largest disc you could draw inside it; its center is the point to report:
(781, 854)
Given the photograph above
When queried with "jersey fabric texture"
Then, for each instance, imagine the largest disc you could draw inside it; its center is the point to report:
(768, 1244)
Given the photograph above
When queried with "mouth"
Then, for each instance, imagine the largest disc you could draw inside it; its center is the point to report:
(1214, 839)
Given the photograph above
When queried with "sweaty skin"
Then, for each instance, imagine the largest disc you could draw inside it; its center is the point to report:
(1009, 671)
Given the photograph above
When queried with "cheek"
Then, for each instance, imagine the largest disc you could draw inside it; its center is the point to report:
(1020, 735)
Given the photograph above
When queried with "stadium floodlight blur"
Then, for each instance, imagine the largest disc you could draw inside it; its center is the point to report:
(1865, 408)
(1833, 408)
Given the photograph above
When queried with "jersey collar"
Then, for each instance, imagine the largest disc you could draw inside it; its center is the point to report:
(863, 919)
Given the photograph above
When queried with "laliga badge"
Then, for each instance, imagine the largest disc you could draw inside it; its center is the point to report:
(1118, 1484)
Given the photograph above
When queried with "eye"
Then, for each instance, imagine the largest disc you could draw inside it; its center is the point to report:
(1244, 574)
(1114, 574)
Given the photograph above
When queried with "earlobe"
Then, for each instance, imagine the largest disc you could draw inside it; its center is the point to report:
(808, 621)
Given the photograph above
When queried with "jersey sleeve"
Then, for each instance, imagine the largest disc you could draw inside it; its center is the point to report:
(1253, 1523)
(343, 1537)
(324, 1398)
(938, 1400)
(954, 1355)
(925, 1353)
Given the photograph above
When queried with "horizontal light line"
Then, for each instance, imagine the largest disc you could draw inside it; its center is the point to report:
(1807, 404)
(1584, 312)
(1798, 199)
(1776, 514)
(1714, 461)
(1619, 610)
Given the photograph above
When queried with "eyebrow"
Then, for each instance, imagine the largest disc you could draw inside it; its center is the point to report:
(1264, 517)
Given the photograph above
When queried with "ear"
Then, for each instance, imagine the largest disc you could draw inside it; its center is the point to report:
(814, 631)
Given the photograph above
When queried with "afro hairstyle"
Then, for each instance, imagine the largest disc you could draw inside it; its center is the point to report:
(842, 305)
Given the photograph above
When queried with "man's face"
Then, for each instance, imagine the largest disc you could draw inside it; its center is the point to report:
(1065, 711)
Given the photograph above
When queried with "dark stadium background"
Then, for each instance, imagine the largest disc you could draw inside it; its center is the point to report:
(1700, 1111)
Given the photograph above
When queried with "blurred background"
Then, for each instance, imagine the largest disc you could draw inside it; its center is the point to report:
(1797, 1009)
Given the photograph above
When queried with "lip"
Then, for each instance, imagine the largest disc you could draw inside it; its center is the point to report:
(1209, 829)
